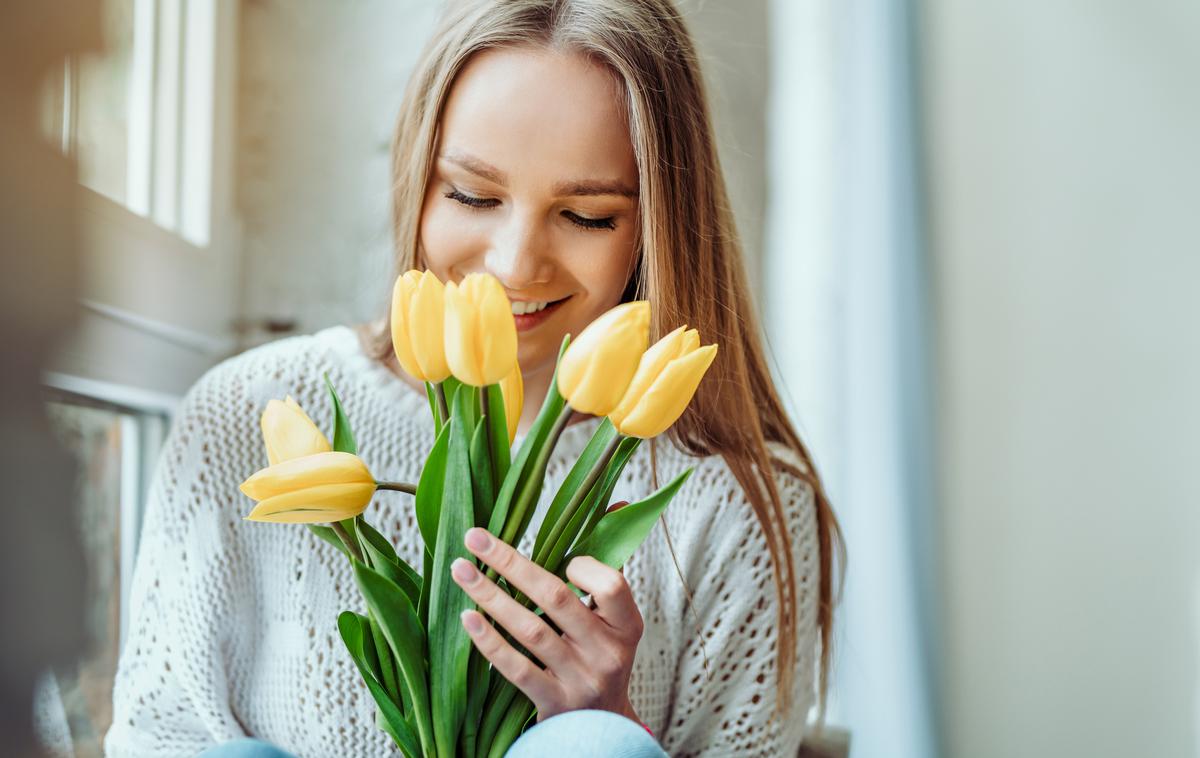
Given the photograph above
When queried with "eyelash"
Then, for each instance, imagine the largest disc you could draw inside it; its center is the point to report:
(478, 203)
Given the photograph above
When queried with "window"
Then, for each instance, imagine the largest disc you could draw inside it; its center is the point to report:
(115, 436)
(140, 117)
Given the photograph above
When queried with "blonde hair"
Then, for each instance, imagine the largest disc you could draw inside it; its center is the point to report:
(690, 265)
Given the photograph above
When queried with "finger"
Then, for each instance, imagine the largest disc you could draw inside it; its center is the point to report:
(550, 593)
(522, 623)
(610, 592)
(516, 668)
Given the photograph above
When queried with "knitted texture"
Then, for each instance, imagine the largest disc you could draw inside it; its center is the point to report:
(233, 625)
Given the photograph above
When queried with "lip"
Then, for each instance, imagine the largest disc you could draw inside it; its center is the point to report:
(527, 321)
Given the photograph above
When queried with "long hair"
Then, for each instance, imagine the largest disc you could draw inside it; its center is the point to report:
(690, 260)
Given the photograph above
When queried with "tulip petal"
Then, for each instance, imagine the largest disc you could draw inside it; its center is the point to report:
(426, 312)
(460, 320)
(512, 388)
(401, 322)
(288, 432)
(597, 368)
(307, 471)
(498, 330)
(665, 401)
(322, 503)
(653, 361)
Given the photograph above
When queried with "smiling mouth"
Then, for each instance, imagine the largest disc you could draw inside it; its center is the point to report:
(532, 307)
(534, 313)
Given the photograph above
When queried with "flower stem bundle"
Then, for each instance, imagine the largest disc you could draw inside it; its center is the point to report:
(435, 695)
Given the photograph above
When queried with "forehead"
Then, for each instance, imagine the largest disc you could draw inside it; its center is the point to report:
(531, 110)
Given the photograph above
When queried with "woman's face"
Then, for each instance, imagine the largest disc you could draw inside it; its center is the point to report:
(535, 182)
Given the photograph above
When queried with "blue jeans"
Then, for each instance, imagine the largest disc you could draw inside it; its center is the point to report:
(580, 734)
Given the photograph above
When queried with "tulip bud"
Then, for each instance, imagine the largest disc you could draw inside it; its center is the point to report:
(289, 433)
(512, 387)
(481, 335)
(666, 379)
(318, 488)
(598, 365)
(417, 313)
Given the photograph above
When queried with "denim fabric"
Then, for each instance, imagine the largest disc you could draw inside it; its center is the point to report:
(579, 734)
(587, 734)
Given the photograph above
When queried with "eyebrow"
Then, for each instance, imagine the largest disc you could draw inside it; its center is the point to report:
(569, 188)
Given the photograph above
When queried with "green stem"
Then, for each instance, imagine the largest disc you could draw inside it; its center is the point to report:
(439, 392)
(537, 470)
(397, 487)
(484, 411)
(578, 498)
(344, 536)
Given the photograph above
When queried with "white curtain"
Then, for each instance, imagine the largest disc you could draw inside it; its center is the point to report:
(844, 279)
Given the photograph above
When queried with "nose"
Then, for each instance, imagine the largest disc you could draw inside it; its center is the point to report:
(519, 254)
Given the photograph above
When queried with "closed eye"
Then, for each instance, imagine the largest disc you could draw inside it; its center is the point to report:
(482, 203)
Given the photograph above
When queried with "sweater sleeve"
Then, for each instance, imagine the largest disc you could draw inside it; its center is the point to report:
(170, 696)
(727, 678)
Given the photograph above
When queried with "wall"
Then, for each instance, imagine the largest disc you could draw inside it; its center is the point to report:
(1064, 175)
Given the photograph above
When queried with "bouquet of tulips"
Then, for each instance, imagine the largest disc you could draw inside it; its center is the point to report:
(436, 695)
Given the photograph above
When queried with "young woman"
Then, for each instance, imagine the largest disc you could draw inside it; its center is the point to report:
(565, 147)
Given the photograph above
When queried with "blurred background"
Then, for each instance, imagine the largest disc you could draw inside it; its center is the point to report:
(972, 227)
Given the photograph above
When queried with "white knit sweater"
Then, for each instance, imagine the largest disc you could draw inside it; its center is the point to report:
(233, 623)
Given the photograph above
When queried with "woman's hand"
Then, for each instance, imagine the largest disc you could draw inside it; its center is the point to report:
(589, 664)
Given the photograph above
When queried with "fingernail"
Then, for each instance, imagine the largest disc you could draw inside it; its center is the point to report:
(478, 539)
(472, 621)
(463, 571)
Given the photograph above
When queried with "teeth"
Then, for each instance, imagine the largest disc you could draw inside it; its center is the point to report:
(522, 308)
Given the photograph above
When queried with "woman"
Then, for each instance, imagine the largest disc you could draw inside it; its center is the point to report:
(565, 147)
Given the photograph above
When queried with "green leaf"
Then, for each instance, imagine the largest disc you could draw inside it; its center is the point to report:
(618, 534)
(478, 678)
(501, 695)
(343, 438)
(328, 535)
(450, 647)
(625, 450)
(592, 509)
(352, 628)
(601, 438)
(481, 474)
(511, 727)
(426, 574)
(497, 422)
(402, 629)
(385, 665)
(382, 557)
(428, 502)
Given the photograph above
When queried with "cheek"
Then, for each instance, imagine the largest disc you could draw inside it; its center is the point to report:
(605, 266)
(445, 243)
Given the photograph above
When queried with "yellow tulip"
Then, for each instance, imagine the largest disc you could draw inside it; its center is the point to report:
(418, 302)
(481, 335)
(317, 488)
(666, 379)
(599, 364)
(288, 432)
(513, 389)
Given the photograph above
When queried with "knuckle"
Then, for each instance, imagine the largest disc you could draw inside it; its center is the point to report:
(524, 675)
(560, 597)
(637, 626)
(613, 585)
(534, 633)
(503, 557)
